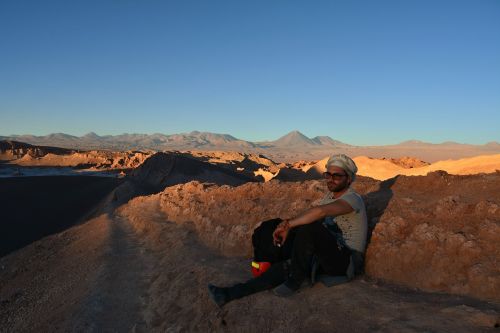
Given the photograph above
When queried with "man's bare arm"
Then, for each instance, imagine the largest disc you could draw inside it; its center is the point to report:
(336, 208)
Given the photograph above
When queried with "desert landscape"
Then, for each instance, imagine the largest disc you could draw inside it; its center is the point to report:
(142, 143)
(131, 245)
(291, 147)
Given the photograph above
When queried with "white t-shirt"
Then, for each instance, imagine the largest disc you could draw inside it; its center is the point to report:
(353, 227)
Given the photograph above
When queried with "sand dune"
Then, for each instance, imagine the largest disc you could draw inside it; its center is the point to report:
(377, 169)
(465, 166)
(383, 169)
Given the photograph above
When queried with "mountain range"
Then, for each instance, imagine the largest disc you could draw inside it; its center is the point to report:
(157, 141)
(292, 146)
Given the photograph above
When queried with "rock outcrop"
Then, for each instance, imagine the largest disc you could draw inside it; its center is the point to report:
(12, 150)
(407, 162)
(442, 233)
(438, 232)
(167, 169)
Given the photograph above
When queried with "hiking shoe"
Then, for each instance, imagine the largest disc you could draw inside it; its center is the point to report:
(218, 295)
(283, 290)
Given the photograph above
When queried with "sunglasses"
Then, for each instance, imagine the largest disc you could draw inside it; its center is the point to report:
(336, 176)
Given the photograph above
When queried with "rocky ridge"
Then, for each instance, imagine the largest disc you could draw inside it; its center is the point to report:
(441, 240)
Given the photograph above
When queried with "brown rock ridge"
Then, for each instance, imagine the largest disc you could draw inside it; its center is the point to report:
(438, 232)
(13, 150)
(90, 159)
(167, 169)
(26, 155)
(252, 165)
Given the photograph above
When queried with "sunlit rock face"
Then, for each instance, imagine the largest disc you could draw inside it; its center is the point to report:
(12, 150)
(26, 155)
(225, 216)
(440, 233)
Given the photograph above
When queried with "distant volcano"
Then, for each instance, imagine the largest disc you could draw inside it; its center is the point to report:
(294, 138)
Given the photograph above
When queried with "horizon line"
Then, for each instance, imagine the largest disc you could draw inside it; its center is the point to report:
(259, 141)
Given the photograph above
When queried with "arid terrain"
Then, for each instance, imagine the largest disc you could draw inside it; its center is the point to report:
(289, 148)
(19, 158)
(140, 256)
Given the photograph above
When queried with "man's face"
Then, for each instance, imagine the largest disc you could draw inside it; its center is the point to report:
(336, 179)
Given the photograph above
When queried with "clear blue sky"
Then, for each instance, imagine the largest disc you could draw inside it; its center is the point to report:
(363, 72)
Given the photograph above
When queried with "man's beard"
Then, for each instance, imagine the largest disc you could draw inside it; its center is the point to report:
(338, 187)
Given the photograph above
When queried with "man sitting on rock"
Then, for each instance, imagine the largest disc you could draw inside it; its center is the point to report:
(328, 238)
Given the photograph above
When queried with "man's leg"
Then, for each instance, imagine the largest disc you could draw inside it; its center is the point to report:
(313, 239)
(333, 258)
(274, 276)
(264, 250)
(302, 253)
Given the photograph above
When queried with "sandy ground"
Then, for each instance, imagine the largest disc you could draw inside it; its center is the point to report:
(134, 270)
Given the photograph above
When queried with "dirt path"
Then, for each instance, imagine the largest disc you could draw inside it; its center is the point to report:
(120, 292)
(92, 278)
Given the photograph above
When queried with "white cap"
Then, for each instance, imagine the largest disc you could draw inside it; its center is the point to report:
(344, 162)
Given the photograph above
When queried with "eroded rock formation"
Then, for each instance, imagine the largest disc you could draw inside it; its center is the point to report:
(438, 232)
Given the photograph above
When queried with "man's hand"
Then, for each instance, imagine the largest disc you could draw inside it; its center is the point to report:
(281, 232)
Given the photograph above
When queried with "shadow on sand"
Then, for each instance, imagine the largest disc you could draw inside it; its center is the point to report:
(376, 202)
(35, 207)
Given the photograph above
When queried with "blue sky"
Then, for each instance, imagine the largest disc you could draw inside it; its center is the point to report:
(363, 72)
